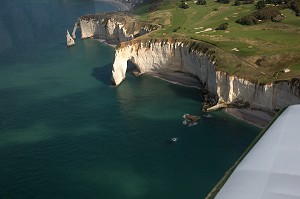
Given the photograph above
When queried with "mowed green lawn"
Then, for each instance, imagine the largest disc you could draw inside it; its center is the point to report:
(277, 43)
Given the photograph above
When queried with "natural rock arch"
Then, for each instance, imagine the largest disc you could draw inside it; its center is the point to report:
(180, 56)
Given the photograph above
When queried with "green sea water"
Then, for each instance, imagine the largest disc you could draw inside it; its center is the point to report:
(65, 132)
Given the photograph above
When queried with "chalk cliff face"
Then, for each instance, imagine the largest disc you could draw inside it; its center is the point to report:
(113, 27)
(179, 56)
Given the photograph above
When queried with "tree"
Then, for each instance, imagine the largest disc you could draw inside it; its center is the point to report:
(183, 5)
(223, 26)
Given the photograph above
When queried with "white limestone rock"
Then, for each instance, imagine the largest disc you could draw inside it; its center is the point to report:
(176, 56)
(76, 25)
(70, 40)
(112, 28)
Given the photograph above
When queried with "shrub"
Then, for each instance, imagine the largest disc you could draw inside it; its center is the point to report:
(282, 6)
(184, 5)
(223, 26)
(275, 2)
(224, 1)
(261, 4)
(278, 18)
(248, 1)
(267, 13)
(175, 29)
(247, 20)
(201, 2)
(237, 3)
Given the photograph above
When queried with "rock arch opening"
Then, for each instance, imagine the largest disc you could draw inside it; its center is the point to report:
(132, 68)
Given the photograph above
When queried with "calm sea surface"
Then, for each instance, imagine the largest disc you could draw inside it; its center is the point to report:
(66, 133)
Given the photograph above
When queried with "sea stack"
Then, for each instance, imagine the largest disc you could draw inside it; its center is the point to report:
(77, 25)
(70, 40)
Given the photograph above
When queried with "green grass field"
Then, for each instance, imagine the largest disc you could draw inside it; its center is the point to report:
(268, 47)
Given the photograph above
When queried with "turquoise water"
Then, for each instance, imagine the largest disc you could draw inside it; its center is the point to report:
(66, 133)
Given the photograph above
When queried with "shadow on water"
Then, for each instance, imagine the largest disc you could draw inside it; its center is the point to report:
(131, 67)
(103, 74)
(185, 92)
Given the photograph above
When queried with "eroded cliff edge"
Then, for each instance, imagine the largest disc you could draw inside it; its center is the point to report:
(114, 28)
(199, 60)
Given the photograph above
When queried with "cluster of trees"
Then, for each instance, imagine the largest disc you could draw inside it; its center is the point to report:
(292, 4)
(266, 13)
(283, 4)
(272, 13)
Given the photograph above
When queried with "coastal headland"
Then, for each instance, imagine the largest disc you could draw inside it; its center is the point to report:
(231, 66)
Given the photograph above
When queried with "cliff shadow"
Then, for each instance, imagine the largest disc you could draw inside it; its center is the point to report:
(187, 92)
(132, 68)
(103, 73)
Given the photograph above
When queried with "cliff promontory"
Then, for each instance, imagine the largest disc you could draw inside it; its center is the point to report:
(228, 78)
(112, 27)
(198, 59)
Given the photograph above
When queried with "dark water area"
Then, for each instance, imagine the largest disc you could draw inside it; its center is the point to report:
(65, 132)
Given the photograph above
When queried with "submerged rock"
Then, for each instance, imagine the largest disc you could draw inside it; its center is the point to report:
(190, 120)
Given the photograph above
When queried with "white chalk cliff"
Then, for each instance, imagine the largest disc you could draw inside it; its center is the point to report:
(112, 27)
(174, 55)
(200, 62)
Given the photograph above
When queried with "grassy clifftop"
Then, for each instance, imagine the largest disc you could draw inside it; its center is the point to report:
(267, 47)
